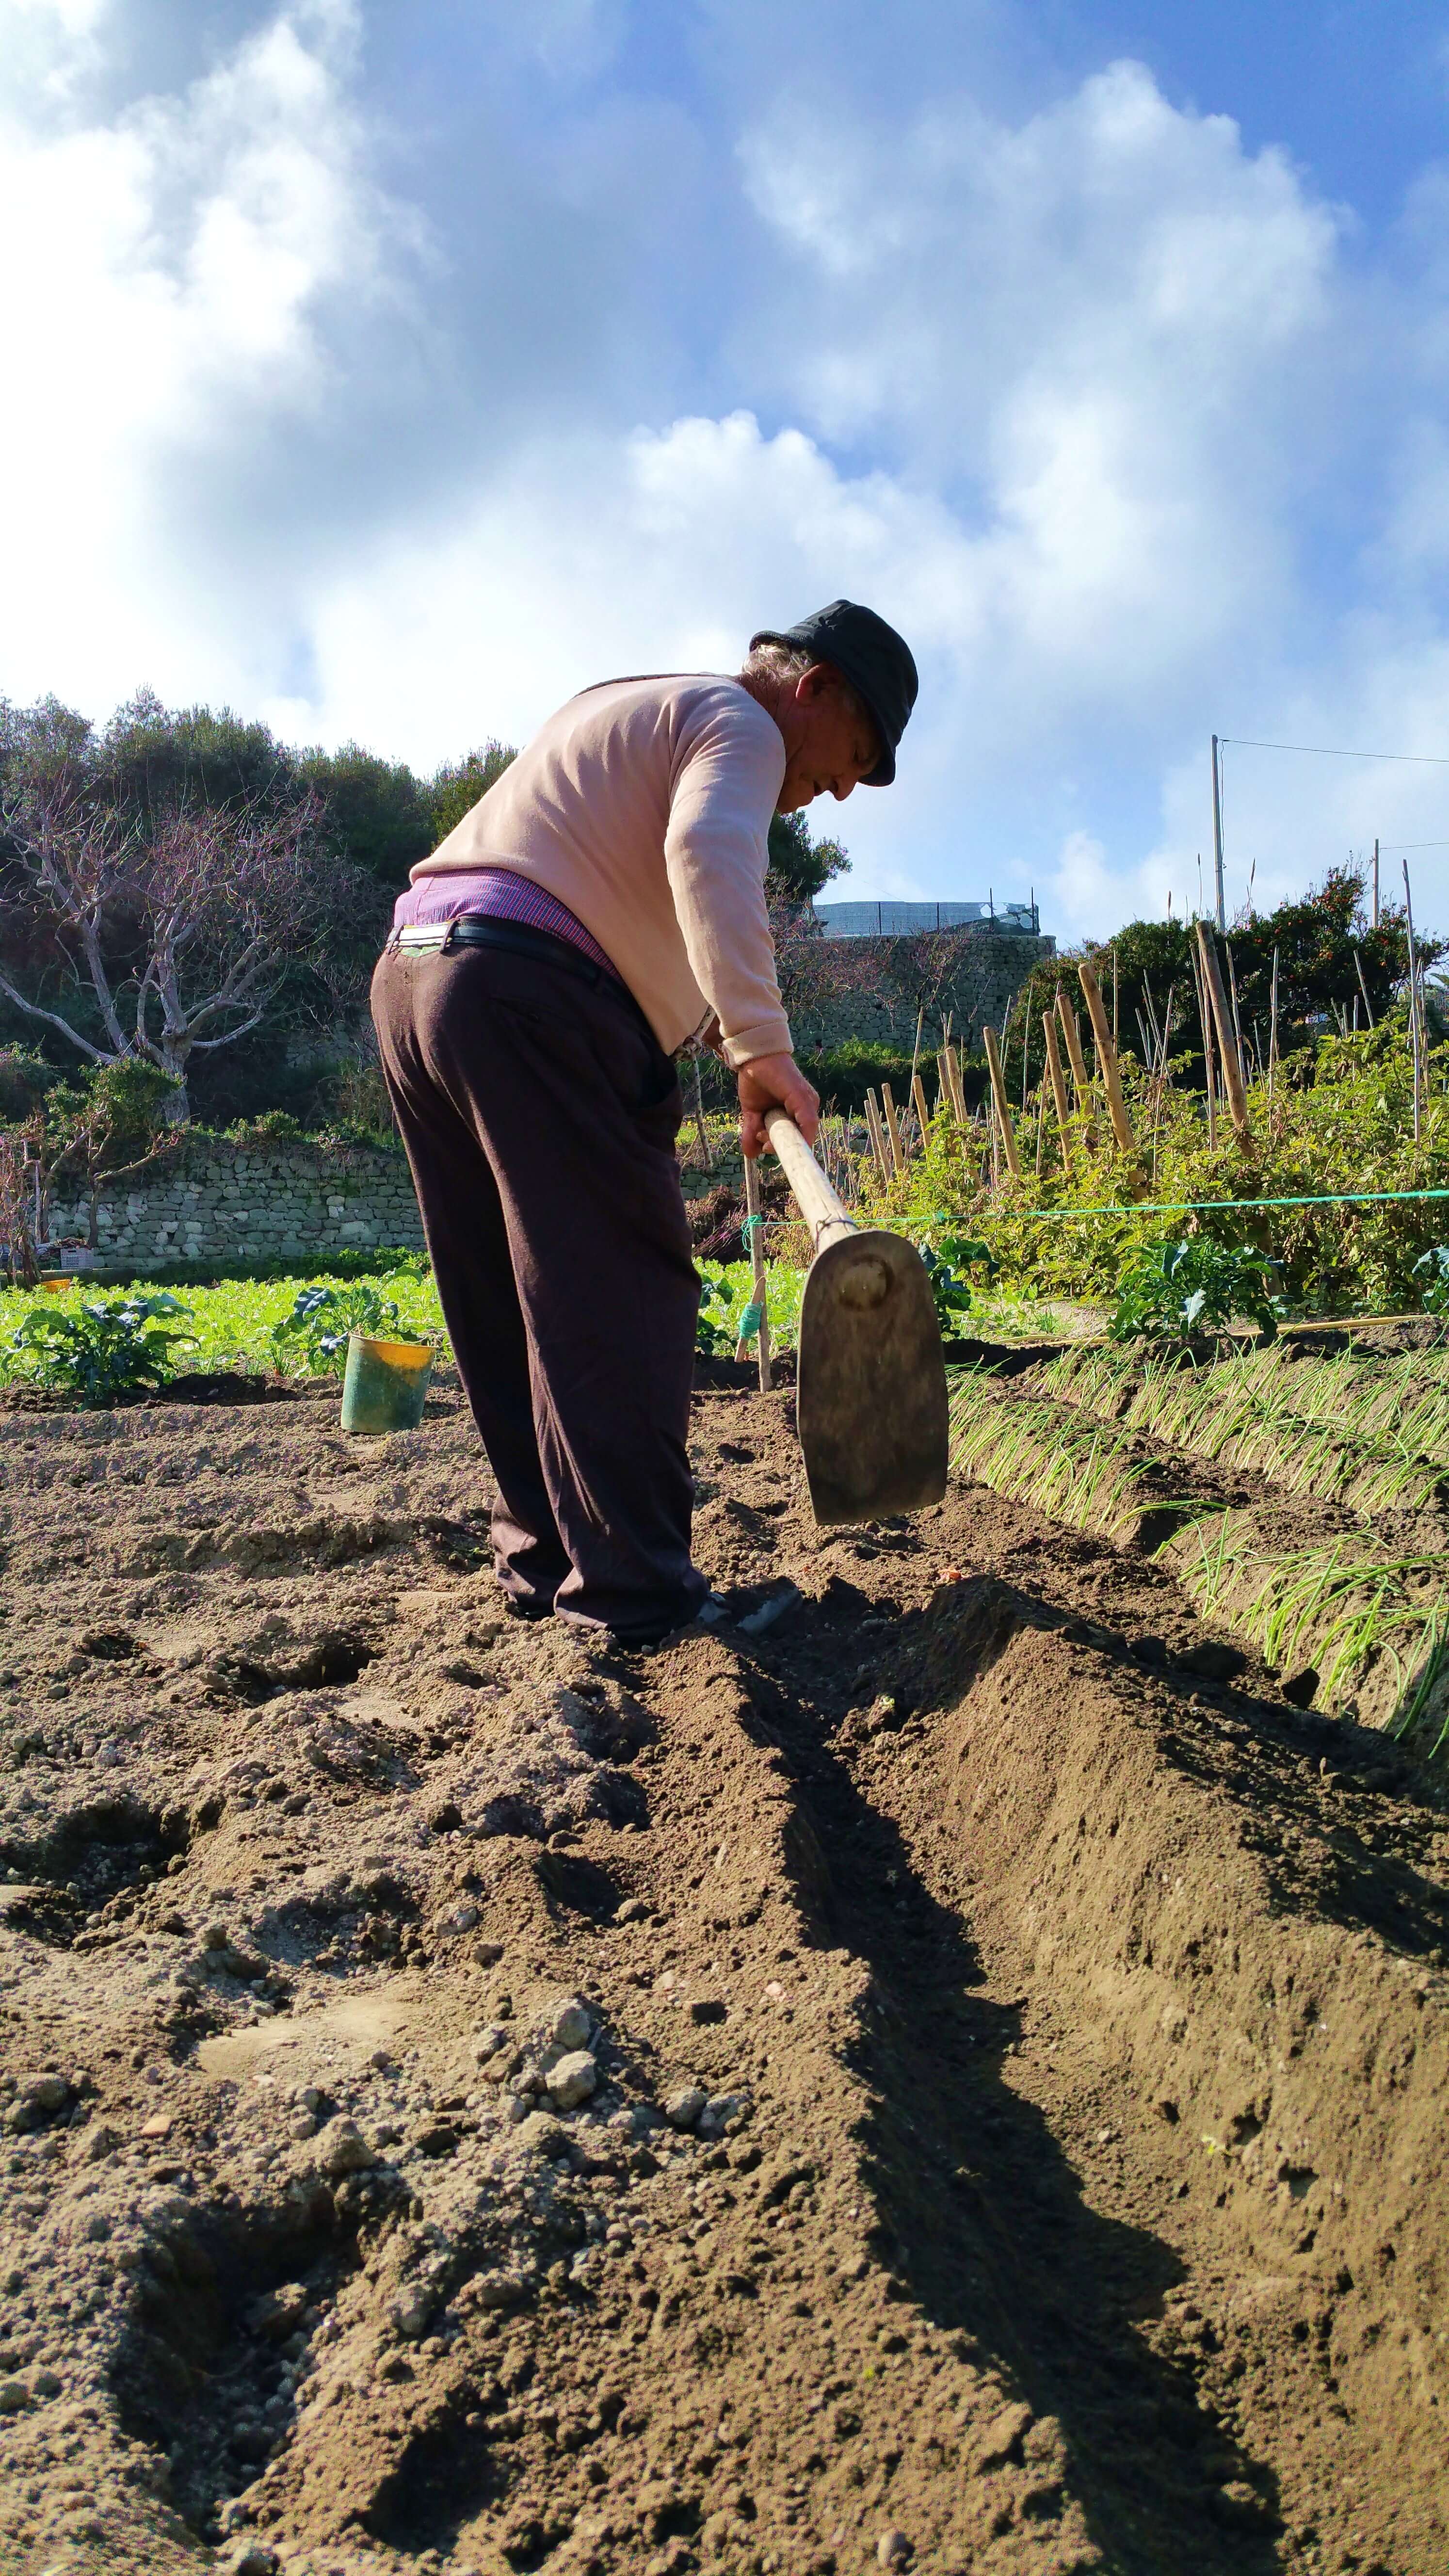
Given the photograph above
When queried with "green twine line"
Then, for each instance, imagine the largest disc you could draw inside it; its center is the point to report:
(1183, 1207)
(748, 1226)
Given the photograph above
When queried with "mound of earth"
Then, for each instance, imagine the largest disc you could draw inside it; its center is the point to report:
(944, 2072)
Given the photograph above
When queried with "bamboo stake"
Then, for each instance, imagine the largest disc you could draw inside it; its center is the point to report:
(1107, 1059)
(1413, 1000)
(892, 1127)
(1040, 1125)
(1114, 992)
(1003, 1109)
(1025, 1054)
(699, 1119)
(1059, 1087)
(918, 1095)
(757, 1272)
(1362, 986)
(957, 1087)
(1208, 1056)
(1073, 1036)
(1232, 1061)
(878, 1145)
(1273, 1030)
(1233, 998)
(1159, 1086)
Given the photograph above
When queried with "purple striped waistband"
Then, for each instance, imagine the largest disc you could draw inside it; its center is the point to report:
(507, 897)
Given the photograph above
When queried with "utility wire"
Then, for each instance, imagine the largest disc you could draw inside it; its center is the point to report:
(1329, 751)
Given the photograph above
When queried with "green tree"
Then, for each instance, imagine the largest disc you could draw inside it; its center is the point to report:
(152, 758)
(377, 813)
(456, 788)
(1329, 960)
(799, 864)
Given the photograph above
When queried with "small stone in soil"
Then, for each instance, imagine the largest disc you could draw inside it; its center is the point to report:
(683, 2108)
(343, 2150)
(572, 2080)
(569, 2025)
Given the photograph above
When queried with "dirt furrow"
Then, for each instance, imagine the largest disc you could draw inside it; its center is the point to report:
(1005, 2133)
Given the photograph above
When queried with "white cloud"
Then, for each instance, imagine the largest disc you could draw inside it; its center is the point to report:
(1066, 391)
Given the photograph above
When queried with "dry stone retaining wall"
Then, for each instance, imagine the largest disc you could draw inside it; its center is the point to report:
(985, 972)
(225, 1201)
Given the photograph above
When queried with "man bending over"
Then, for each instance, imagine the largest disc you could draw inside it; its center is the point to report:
(601, 906)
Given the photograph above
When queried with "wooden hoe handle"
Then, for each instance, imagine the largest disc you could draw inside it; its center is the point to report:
(828, 1217)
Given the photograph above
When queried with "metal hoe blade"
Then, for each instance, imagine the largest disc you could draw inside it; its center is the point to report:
(871, 1403)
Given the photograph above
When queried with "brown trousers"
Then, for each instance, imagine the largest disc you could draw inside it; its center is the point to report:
(539, 1115)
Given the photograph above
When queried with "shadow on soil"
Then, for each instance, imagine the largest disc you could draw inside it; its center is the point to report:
(982, 2219)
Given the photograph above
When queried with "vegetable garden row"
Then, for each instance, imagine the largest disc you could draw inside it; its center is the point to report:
(1333, 1570)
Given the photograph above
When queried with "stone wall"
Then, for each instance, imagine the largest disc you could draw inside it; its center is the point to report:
(872, 989)
(230, 1201)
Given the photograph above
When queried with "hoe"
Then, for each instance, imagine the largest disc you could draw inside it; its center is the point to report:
(871, 1392)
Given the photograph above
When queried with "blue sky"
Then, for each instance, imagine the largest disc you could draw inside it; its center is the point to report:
(393, 370)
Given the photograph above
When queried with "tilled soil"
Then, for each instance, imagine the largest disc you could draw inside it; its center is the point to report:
(946, 2076)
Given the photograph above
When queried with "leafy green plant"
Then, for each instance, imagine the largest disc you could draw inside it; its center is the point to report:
(102, 1350)
(1192, 1285)
(1433, 1268)
(944, 1262)
(714, 1333)
(313, 1338)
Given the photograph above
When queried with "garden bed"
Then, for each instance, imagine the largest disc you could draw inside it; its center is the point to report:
(1068, 2007)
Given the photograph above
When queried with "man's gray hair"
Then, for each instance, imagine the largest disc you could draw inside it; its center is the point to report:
(769, 663)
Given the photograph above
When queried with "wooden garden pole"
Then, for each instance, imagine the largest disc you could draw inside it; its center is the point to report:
(918, 1095)
(1273, 1030)
(878, 1146)
(1233, 997)
(1003, 1108)
(707, 1157)
(1040, 1125)
(756, 1229)
(1025, 1054)
(1209, 1059)
(893, 1127)
(1059, 1087)
(1107, 1059)
(957, 1087)
(1232, 1061)
(1078, 1063)
(1413, 999)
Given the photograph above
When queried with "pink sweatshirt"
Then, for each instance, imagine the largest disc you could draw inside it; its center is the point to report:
(645, 806)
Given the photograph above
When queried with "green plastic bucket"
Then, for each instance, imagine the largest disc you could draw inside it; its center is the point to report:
(385, 1384)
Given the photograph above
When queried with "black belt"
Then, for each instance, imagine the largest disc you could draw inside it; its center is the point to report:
(522, 939)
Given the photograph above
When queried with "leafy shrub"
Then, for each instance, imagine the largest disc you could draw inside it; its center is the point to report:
(315, 1334)
(714, 1333)
(1433, 1268)
(1193, 1285)
(844, 1074)
(99, 1351)
(944, 1262)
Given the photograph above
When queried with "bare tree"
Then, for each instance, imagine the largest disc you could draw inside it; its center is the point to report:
(177, 932)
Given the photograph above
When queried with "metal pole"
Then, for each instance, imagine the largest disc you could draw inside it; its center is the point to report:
(1218, 844)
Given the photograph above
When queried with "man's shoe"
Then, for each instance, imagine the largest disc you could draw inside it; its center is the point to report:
(514, 1608)
(713, 1612)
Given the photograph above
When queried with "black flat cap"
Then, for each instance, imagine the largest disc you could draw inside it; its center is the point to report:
(872, 656)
